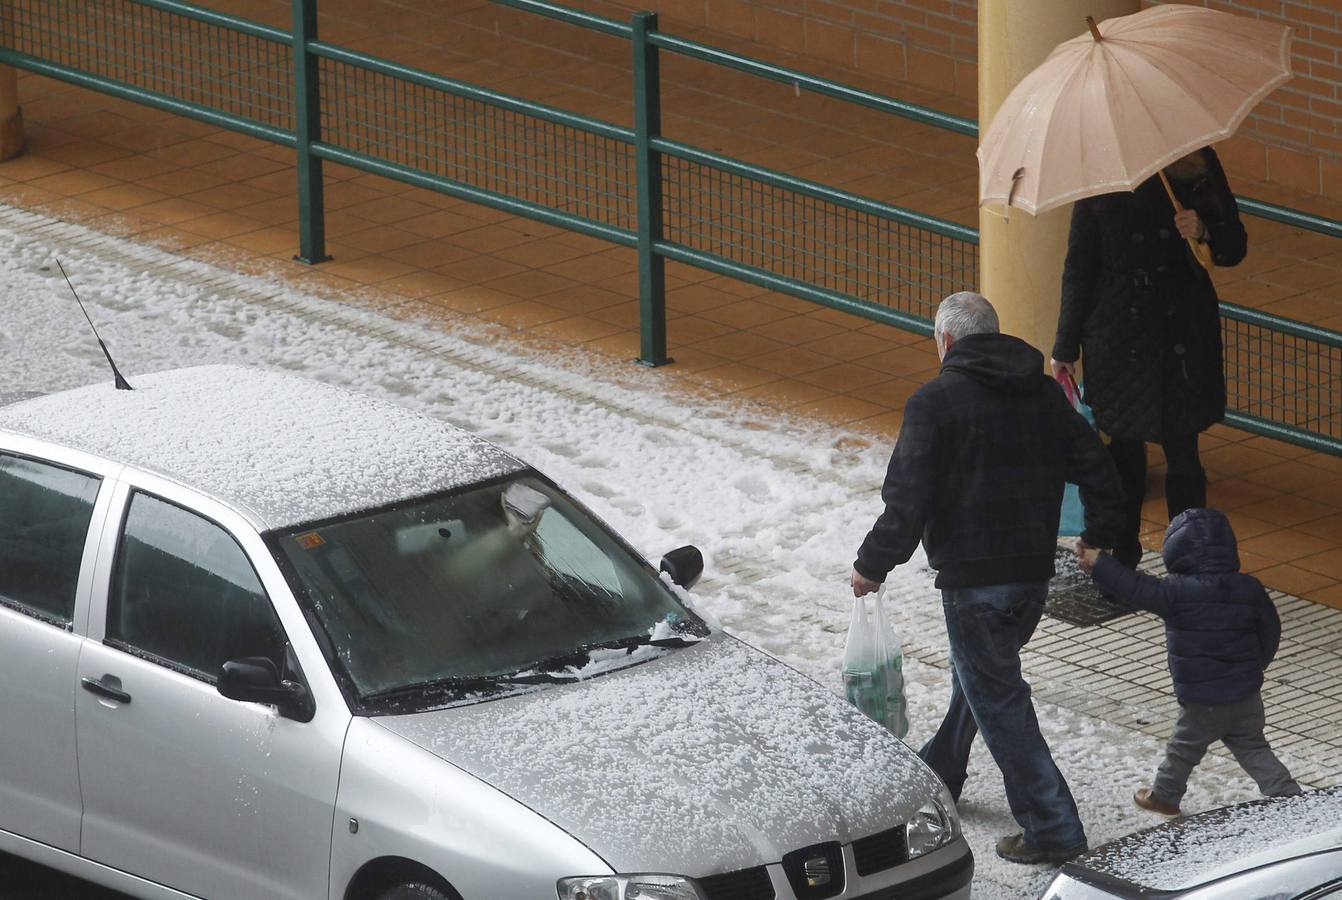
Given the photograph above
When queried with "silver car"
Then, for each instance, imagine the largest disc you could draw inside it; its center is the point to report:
(1285, 848)
(261, 637)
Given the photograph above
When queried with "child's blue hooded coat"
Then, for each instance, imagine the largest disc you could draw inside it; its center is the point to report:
(1221, 626)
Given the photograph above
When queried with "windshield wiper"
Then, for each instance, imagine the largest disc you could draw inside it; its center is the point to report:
(467, 684)
(559, 668)
(580, 656)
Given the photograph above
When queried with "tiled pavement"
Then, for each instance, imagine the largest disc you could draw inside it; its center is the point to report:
(229, 199)
(1117, 671)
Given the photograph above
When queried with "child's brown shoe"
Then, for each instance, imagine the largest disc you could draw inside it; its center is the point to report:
(1146, 799)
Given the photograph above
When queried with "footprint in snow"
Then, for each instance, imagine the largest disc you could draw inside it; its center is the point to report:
(752, 486)
(226, 330)
(657, 436)
(561, 449)
(397, 388)
(629, 506)
(599, 490)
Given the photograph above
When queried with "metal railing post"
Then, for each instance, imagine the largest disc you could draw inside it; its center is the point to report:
(307, 129)
(647, 126)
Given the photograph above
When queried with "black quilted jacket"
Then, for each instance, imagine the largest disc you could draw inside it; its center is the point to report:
(1140, 312)
(977, 473)
(1220, 624)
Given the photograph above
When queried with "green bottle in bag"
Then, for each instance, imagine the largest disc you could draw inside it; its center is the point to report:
(873, 665)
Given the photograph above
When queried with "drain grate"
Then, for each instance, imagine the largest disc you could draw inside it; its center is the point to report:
(1073, 597)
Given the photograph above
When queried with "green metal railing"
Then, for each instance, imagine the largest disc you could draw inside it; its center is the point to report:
(172, 56)
(630, 186)
(1283, 378)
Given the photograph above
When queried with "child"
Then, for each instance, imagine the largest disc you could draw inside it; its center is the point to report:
(1222, 631)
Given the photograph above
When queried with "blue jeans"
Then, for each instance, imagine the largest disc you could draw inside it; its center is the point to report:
(987, 627)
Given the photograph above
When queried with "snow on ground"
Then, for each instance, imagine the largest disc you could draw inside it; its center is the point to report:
(790, 498)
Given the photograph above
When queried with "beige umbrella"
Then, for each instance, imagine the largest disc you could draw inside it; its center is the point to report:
(1112, 107)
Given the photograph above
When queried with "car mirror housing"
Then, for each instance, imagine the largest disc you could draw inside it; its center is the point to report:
(684, 565)
(255, 679)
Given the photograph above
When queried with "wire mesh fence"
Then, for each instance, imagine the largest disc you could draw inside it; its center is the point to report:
(799, 234)
(863, 255)
(471, 142)
(159, 51)
(1289, 379)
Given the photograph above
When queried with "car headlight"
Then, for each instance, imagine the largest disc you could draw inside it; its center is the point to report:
(628, 887)
(934, 825)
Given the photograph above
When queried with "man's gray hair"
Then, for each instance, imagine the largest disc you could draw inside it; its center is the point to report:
(965, 313)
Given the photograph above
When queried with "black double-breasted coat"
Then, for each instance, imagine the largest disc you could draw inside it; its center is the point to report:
(1141, 312)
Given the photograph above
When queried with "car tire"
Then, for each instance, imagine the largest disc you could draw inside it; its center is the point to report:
(414, 890)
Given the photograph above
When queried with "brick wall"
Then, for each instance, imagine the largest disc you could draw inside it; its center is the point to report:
(932, 43)
(1293, 138)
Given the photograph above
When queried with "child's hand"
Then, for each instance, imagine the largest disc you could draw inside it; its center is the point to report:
(1086, 555)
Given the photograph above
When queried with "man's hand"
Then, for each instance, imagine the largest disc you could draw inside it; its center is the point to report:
(862, 585)
(1059, 367)
(1086, 555)
(1190, 225)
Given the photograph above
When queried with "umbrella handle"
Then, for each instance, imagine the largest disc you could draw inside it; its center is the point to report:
(1201, 251)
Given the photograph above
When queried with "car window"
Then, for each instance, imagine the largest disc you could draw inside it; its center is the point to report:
(44, 521)
(1293, 878)
(184, 593)
(571, 554)
(1331, 892)
(500, 579)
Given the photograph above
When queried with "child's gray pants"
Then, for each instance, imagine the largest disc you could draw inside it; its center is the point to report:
(1240, 727)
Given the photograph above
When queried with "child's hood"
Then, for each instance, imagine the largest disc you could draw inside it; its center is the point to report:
(1200, 542)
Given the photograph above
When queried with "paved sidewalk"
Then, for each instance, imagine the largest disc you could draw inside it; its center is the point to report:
(1113, 673)
(229, 200)
(1117, 671)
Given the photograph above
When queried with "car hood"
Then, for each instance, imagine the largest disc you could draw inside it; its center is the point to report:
(714, 758)
(1185, 853)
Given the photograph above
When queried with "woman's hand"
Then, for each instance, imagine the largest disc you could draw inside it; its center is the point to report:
(1190, 225)
(1060, 367)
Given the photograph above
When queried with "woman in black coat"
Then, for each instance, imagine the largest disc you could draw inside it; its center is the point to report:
(1141, 313)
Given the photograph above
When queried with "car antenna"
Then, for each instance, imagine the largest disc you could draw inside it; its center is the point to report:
(121, 383)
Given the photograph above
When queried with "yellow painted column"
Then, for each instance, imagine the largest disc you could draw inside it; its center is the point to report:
(1020, 262)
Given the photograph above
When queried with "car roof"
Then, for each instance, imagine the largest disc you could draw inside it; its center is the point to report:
(282, 449)
(1188, 852)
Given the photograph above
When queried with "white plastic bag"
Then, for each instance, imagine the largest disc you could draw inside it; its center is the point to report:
(873, 665)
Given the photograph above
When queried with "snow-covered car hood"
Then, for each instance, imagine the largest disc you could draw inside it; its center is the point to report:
(714, 758)
(1218, 843)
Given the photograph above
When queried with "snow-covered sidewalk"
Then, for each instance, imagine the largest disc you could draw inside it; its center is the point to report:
(778, 505)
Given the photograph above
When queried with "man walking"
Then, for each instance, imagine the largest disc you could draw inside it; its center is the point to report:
(977, 474)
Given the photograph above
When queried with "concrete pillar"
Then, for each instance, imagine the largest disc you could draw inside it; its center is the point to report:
(11, 116)
(1020, 262)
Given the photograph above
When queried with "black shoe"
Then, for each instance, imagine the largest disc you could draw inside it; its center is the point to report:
(1014, 848)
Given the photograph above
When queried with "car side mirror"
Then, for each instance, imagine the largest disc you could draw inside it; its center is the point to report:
(254, 679)
(684, 565)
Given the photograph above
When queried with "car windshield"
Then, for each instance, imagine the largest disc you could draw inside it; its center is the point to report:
(501, 583)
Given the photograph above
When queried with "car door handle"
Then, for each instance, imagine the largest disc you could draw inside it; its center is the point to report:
(103, 689)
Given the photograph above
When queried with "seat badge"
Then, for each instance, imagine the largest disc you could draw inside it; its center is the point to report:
(816, 871)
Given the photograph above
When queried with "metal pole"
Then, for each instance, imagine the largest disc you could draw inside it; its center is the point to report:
(307, 129)
(11, 114)
(648, 125)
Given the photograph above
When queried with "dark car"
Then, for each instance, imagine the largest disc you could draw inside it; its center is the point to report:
(1286, 848)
